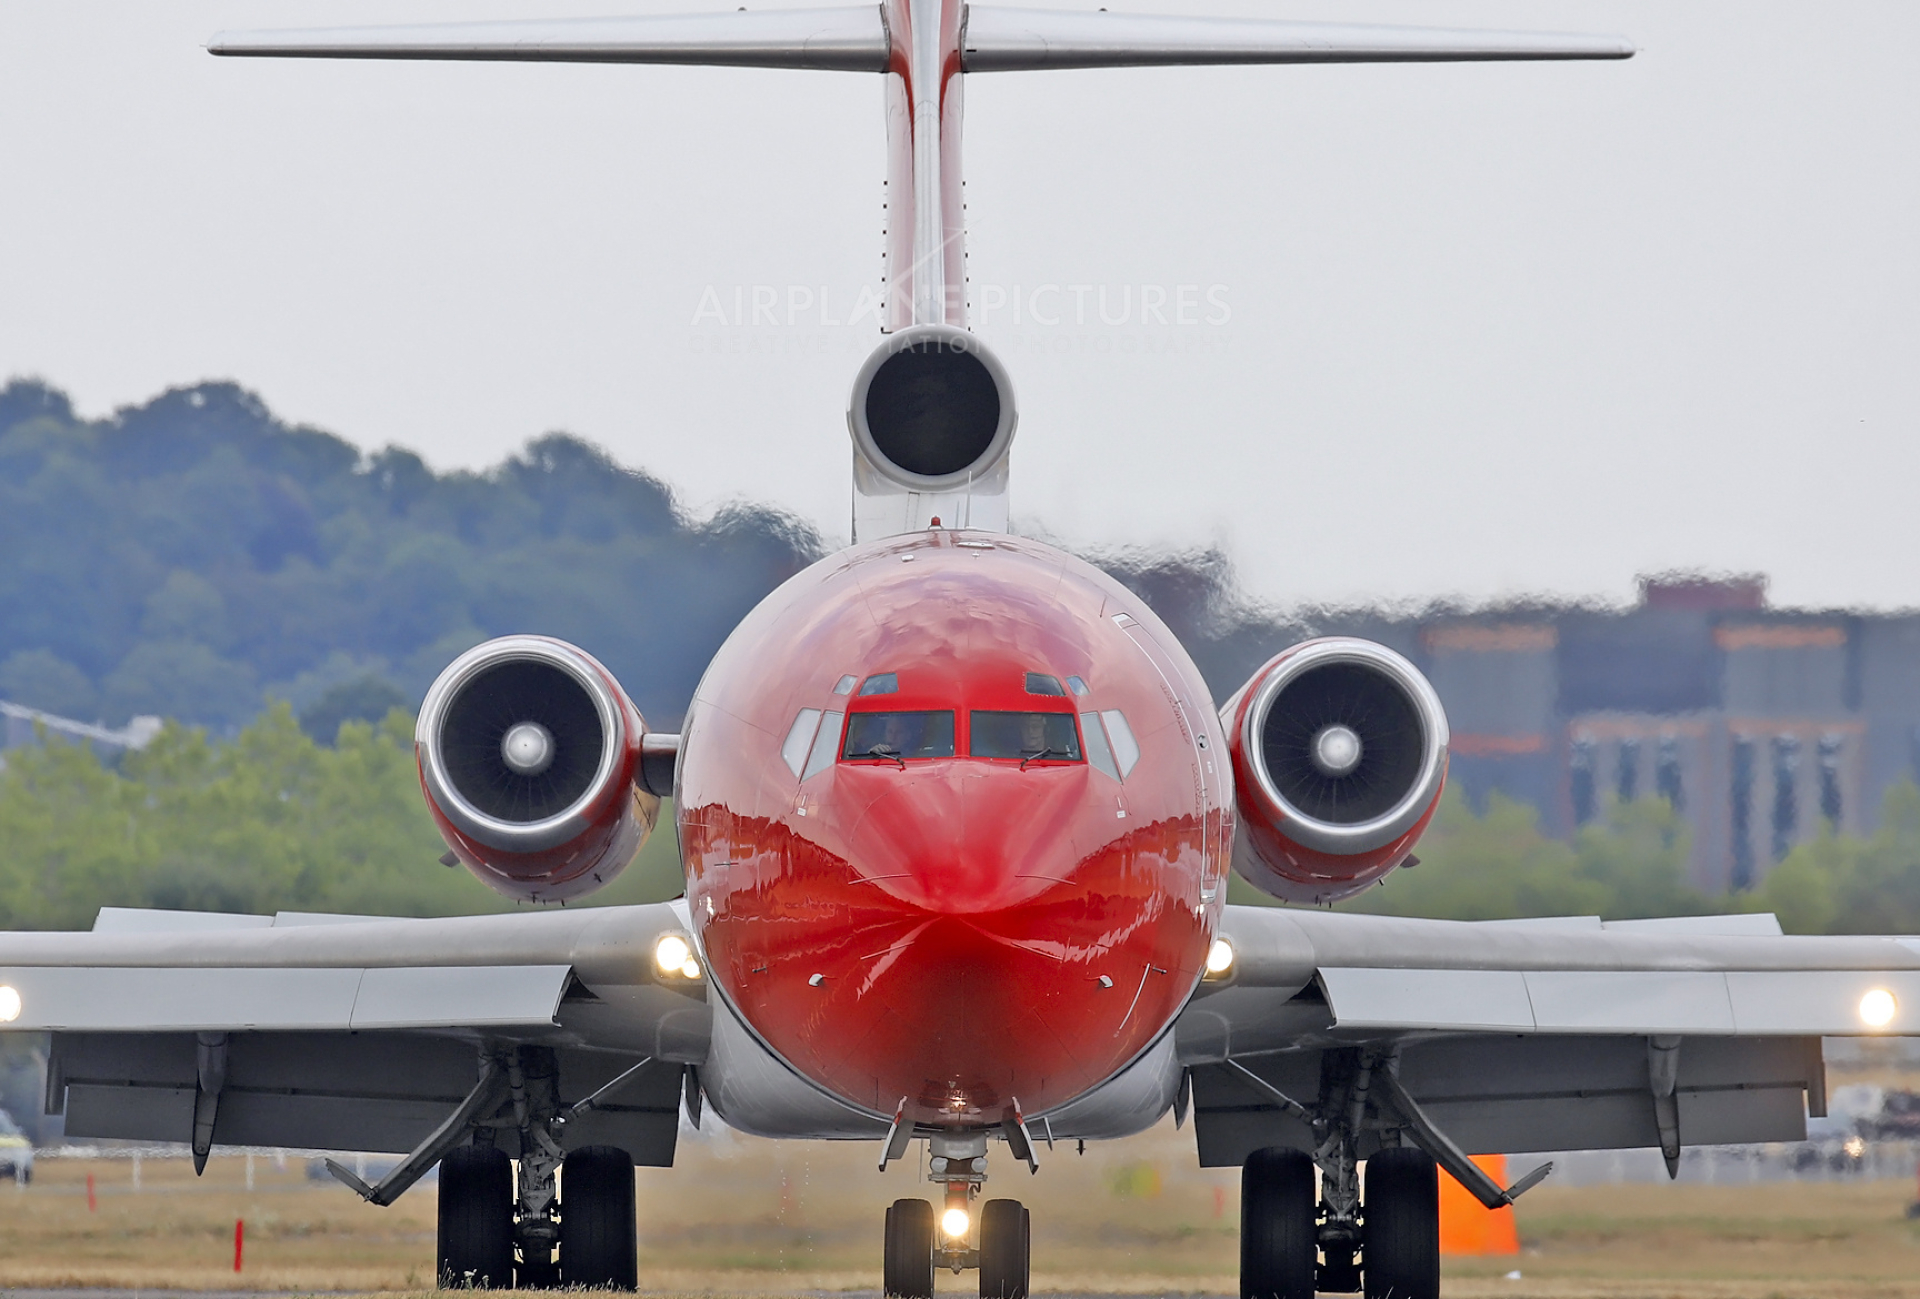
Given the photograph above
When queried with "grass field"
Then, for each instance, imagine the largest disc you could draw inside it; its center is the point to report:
(743, 1216)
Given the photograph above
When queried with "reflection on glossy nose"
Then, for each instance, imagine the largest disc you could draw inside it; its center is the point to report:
(963, 841)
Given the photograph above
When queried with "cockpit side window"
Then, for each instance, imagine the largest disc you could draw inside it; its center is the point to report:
(899, 737)
(1126, 749)
(825, 745)
(800, 740)
(1041, 737)
(1097, 751)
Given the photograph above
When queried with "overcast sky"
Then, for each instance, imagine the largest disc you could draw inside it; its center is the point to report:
(1457, 330)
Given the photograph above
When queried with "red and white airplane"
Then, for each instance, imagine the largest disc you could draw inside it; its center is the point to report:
(957, 814)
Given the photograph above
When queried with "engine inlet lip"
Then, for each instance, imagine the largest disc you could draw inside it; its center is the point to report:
(517, 836)
(867, 448)
(1361, 836)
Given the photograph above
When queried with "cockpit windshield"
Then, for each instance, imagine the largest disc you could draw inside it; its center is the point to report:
(899, 737)
(1029, 737)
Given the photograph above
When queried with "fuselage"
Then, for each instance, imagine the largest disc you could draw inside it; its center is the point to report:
(956, 819)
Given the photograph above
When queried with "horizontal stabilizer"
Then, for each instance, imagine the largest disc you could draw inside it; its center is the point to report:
(1015, 40)
(854, 39)
(850, 39)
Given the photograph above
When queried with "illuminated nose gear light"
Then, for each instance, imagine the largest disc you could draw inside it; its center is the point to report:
(9, 1004)
(955, 1221)
(673, 954)
(1219, 959)
(1878, 1008)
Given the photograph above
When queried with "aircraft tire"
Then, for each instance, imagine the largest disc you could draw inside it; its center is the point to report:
(1006, 1249)
(598, 1238)
(908, 1273)
(1401, 1244)
(1279, 1238)
(475, 1248)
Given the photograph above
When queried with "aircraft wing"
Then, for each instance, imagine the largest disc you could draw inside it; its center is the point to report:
(1534, 1035)
(345, 1032)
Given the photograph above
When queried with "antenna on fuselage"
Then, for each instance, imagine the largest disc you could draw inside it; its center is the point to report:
(948, 395)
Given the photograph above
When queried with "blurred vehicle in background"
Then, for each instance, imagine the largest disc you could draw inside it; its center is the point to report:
(16, 1152)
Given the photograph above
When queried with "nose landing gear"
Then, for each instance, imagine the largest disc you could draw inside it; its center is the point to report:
(917, 1246)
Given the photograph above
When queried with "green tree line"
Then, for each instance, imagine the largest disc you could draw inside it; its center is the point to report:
(267, 821)
(195, 557)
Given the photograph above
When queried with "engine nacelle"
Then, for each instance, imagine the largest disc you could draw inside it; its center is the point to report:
(536, 768)
(1339, 753)
(932, 417)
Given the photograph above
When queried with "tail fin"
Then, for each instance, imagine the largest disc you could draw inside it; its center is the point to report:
(922, 47)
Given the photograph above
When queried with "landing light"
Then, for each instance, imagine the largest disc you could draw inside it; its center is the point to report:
(672, 954)
(1219, 958)
(954, 1222)
(1878, 1008)
(9, 1004)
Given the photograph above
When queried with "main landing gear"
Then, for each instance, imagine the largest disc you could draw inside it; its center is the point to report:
(919, 1242)
(1295, 1243)
(569, 1221)
(1390, 1252)
(590, 1241)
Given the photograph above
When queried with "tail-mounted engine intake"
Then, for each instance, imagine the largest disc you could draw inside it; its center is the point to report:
(538, 769)
(932, 418)
(1339, 755)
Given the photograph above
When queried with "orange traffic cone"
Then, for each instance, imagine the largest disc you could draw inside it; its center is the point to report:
(1467, 1227)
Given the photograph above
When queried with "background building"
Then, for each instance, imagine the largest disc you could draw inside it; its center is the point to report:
(1759, 725)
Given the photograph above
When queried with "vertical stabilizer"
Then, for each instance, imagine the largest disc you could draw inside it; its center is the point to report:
(932, 415)
(926, 249)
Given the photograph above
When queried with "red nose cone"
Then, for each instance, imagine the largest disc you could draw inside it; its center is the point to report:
(959, 935)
